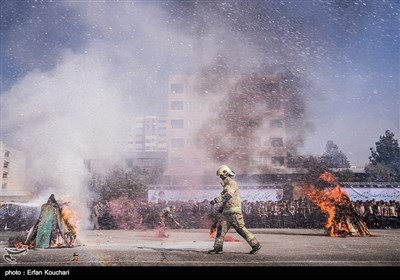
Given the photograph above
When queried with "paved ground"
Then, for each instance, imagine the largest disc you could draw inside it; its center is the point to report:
(281, 247)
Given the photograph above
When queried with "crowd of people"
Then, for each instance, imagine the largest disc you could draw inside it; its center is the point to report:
(299, 213)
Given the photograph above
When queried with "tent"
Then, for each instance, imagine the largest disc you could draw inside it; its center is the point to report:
(52, 229)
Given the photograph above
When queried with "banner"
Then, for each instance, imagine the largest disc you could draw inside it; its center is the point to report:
(385, 194)
(160, 194)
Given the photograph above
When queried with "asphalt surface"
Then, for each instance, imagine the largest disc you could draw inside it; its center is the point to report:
(281, 247)
(188, 248)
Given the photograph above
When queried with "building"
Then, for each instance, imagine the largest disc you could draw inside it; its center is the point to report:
(147, 144)
(233, 120)
(148, 134)
(12, 168)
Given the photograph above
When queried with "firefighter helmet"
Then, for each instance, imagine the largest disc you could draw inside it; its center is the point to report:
(225, 171)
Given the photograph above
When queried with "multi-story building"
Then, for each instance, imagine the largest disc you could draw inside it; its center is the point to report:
(147, 144)
(12, 168)
(148, 134)
(233, 120)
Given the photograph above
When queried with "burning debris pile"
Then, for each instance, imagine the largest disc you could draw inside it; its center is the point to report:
(343, 220)
(53, 228)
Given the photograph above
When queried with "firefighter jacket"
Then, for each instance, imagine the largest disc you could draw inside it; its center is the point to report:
(229, 196)
(166, 213)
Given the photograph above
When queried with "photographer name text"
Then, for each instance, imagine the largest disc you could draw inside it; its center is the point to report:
(36, 272)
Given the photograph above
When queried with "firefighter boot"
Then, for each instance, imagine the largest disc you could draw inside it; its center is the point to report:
(216, 250)
(255, 249)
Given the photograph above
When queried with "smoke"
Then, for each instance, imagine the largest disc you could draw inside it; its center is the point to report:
(61, 117)
(241, 121)
(338, 53)
(82, 70)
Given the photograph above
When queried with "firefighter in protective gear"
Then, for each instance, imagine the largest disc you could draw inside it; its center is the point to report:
(231, 210)
(166, 214)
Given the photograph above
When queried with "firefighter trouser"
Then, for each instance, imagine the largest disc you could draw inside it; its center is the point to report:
(161, 227)
(236, 221)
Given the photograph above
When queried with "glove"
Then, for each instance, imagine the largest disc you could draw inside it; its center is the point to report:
(212, 202)
(221, 209)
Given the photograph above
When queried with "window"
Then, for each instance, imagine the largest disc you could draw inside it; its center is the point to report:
(278, 161)
(177, 143)
(146, 162)
(257, 161)
(4, 186)
(194, 124)
(6, 164)
(176, 88)
(5, 175)
(7, 154)
(277, 142)
(176, 105)
(129, 162)
(177, 123)
(276, 123)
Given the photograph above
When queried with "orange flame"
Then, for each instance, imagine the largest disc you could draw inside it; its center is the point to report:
(228, 238)
(213, 231)
(20, 245)
(327, 200)
(71, 218)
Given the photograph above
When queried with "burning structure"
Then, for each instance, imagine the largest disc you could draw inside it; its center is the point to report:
(343, 220)
(53, 228)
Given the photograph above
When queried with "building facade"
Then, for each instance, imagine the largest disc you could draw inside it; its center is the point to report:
(147, 144)
(233, 120)
(12, 168)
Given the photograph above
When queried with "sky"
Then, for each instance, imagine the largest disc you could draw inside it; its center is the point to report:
(74, 73)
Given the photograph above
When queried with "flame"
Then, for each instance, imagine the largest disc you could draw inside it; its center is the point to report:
(333, 200)
(20, 245)
(213, 230)
(327, 200)
(213, 234)
(71, 218)
(230, 238)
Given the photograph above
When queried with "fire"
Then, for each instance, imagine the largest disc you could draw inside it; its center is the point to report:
(228, 238)
(20, 245)
(213, 230)
(71, 218)
(335, 202)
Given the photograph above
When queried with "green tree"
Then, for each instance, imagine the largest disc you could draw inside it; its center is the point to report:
(345, 175)
(314, 166)
(384, 160)
(333, 157)
(120, 182)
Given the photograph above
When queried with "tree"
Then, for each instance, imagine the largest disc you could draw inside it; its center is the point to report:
(120, 182)
(333, 157)
(345, 175)
(312, 164)
(384, 160)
